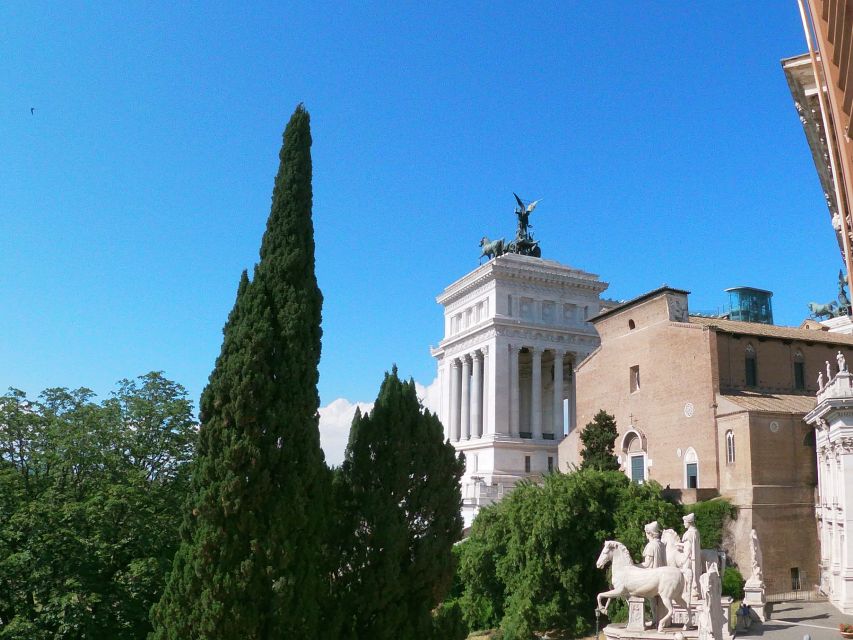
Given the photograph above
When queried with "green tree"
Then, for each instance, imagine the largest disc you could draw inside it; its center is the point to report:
(598, 438)
(251, 561)
(529, 564)
(399, 487)
(92, 498)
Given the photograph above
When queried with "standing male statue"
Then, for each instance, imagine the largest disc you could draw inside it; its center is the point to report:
(757, 560)
(691, 547)
(654, 553)
(654, 556)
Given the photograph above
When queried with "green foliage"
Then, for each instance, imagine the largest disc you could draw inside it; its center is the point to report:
(448, 623)
(733, 583)
(399, 505)
(529, 564)
(711, 519)
(251, 562)
(91, 496)
(598, 438)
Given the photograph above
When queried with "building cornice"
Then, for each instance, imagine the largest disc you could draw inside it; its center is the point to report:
(548, 274)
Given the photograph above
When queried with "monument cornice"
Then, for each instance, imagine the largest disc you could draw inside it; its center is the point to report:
(549, 274)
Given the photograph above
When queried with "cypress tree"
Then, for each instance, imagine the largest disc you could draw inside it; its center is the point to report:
(250, 562)
(399, 487)
(598, 438)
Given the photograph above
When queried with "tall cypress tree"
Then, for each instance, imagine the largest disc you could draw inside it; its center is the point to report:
(250, 562)
(399, 487)
(598, 439)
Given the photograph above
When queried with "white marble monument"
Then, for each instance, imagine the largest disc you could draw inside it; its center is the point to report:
(514, 329)
(833, 422)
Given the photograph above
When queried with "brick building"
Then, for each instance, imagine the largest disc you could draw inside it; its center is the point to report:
(710, 406)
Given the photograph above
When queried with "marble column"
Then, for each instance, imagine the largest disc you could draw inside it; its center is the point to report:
(558, 394)
(488, 427)
(466, 398)
(573, 407)
(476, 394)
(536, 394)
(454, 401)
(513, 391)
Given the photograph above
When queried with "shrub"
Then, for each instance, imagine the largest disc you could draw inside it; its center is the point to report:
(711, 518)
(733, 583)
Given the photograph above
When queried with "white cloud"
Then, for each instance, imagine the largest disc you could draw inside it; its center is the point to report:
(430, 396)
(335, 421)
(336, 418)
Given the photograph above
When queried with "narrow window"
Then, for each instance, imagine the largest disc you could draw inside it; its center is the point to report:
(730, 447)
(691, 469)
(509, 305)
(476, 463)
(526, 464)
(692, 475)
(635, 378)
(550, 464)
(799, 372)
(632, 324)
(751, 370)
(638, 468)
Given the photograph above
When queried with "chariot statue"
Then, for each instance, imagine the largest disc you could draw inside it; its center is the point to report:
(523, 243)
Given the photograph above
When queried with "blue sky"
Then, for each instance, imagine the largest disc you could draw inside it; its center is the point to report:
(660, 136)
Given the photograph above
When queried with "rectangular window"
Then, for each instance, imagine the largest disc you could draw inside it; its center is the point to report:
(635, 378)
(526, 464)
(550, 464)
(509, 305)
(476, 463)
(799, 376)
(751, 373)
(692, 475)
(638, 469)
(795, 578)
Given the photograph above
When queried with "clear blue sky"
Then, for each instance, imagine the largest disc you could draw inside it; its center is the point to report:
(660, 135)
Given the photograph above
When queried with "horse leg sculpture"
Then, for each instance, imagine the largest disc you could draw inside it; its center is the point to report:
(609, 595)
(679, 600)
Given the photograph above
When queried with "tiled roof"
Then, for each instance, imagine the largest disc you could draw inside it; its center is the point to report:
(773, 331)
(771, 402)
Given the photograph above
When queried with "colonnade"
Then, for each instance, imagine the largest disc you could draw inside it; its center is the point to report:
(471, 391)
(468, 382)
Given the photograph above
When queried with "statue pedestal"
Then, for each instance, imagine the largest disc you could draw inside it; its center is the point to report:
(753, 595)
(636, 610)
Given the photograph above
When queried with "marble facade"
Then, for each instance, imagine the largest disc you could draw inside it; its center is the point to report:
(514, 329)
(833, 422)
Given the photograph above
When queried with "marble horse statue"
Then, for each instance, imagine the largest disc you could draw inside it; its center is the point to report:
(630, 580)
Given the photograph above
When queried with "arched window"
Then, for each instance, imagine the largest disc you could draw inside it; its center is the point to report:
(691, 469)
(751, 368)
(799, 371)
(730, 447)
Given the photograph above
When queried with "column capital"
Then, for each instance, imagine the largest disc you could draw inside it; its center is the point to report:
(476, 356)
(455, 363)
(536, 350)
(485, 350)
(514, 347)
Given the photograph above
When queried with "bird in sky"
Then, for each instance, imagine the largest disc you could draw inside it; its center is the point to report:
(32, 111)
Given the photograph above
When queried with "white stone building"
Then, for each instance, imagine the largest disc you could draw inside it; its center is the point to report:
(833, 422)
(514, 328)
